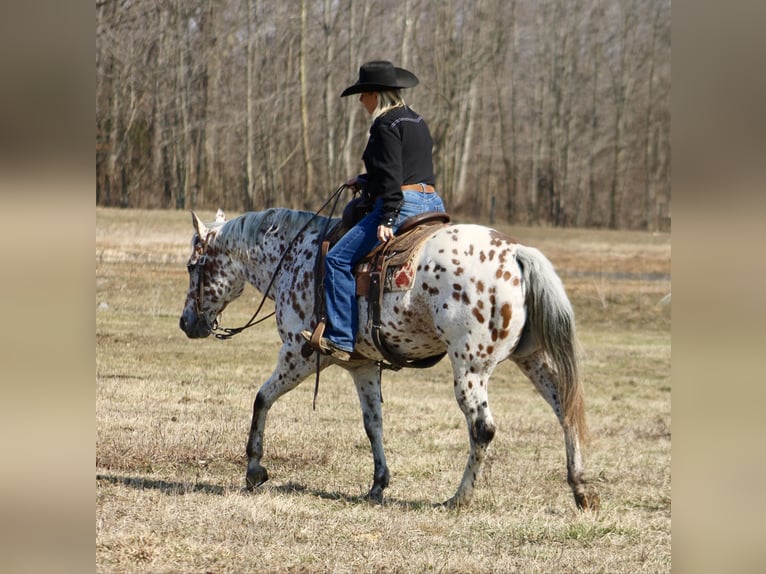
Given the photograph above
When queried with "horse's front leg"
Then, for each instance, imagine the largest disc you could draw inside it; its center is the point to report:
(367, 381)
(291, 370)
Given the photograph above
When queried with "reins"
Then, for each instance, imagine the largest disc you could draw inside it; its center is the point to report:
(229, 332)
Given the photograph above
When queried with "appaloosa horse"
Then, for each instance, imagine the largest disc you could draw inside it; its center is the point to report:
(476, 294)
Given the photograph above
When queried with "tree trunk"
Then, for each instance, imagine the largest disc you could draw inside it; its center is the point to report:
(620, 95)
(249, 113)
(513, 193)
(182, 117)
(585, 215)
(352, 154)
(404, 48)
(650, 192)
(538, 127)
(330, 92)
(466, 141)
(305, 128)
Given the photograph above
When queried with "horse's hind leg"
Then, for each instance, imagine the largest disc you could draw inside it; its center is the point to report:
(544, 378)
(367, 381)
(472, 396)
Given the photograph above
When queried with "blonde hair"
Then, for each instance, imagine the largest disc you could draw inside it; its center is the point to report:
(387, 100)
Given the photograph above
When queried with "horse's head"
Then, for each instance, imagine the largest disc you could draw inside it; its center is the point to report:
(213, 281)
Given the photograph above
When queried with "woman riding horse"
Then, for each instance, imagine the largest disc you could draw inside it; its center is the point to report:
(399, 183)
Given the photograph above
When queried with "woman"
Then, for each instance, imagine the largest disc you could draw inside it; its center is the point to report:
(399, 181)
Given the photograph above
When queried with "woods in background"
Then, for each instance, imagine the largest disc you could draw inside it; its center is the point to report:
(543, 112)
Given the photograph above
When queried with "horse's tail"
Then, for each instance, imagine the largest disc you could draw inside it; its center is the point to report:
(551, 319)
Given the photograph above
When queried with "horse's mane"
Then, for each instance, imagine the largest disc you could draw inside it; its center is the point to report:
(247, 230)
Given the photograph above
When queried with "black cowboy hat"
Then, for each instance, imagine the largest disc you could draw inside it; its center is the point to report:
(381, 75)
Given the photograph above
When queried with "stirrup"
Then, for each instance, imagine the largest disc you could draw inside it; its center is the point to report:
(316, 337)
(315, 342)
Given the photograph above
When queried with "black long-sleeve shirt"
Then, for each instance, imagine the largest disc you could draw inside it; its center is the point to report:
(398, 153)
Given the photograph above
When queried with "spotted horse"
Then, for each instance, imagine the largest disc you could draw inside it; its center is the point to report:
(476, 294)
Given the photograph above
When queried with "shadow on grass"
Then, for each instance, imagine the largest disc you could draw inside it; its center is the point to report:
(295, 488)
(292, 488)
(165, 486)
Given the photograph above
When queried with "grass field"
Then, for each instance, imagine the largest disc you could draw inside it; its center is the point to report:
(172, 417)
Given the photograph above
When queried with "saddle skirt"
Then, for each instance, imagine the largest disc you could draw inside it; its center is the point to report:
(395, 259)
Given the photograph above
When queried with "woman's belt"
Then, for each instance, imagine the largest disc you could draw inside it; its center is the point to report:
(419, 187)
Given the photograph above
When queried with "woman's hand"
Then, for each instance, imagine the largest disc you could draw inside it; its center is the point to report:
(352, 184)
(385, 233)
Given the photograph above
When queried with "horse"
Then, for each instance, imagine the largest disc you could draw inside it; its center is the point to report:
(477, 294)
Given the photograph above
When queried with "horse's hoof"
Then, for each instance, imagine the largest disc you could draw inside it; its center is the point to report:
(255, 477)
(453, 503)
(589, 501)
(375, 495)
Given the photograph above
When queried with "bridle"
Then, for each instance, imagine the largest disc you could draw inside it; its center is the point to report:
(199, 267)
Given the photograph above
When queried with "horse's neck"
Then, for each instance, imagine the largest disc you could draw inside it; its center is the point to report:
(259, 262)
(260, 251)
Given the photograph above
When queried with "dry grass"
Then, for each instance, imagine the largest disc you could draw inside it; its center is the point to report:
(173, 414)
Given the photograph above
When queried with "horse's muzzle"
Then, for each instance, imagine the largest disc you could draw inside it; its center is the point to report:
(194, 327)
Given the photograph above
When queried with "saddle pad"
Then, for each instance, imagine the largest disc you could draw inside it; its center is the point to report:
(400, 263)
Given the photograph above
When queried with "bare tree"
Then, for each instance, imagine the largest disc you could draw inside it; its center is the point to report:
(652, 208)
(305, 128)
(357, 29)
(249, 111)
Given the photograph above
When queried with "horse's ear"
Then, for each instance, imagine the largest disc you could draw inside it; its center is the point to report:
(199, 227)
(219, 216)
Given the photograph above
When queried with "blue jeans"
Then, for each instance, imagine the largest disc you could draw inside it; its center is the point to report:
(339, 282)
